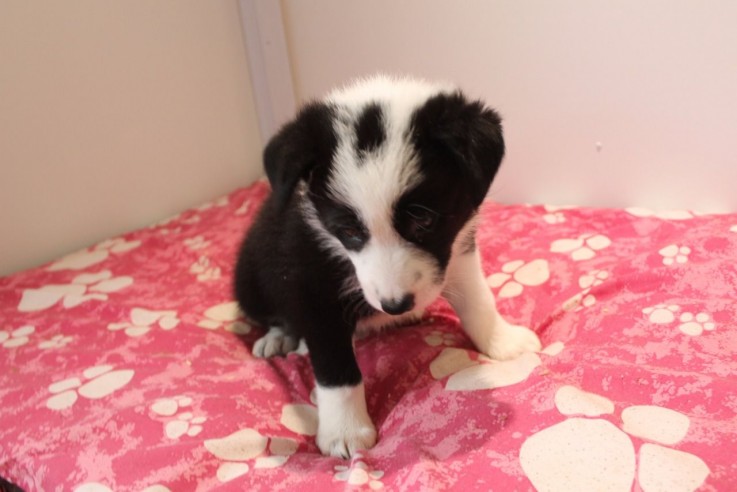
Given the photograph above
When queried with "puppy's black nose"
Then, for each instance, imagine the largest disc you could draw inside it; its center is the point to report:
(398, 306)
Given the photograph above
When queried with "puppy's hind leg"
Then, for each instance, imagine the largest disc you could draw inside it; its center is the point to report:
(473, 301)
(275, 342)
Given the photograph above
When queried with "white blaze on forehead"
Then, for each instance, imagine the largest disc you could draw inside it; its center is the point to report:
(372, 183)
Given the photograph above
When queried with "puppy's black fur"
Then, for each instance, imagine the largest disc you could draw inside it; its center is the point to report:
(286, 276)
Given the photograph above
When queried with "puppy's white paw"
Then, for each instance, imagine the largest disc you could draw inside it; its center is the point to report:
(343, 439)
(275, 342)
(511, 341)
(344, 425)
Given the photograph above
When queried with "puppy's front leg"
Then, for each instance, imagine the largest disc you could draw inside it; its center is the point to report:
(473, 301)
(344, 424)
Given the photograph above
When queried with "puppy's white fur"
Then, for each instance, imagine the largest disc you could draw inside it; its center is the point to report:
(344, 423)
(388, 266)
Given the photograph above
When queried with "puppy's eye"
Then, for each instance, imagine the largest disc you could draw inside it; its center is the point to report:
(423, 219)
(351, 236)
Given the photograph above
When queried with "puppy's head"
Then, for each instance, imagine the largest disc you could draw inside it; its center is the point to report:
(390, 174)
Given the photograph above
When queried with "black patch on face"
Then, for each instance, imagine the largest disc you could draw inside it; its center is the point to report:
(459, 146)
(342, 222)
(431, 214)
(370, 133)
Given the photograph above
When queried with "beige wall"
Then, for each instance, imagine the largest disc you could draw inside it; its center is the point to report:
(115, 114)
(654, 82)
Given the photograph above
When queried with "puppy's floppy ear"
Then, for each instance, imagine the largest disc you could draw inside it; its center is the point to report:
(448, 127)
(298, 148)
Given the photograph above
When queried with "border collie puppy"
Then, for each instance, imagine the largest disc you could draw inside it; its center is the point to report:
(375, 194)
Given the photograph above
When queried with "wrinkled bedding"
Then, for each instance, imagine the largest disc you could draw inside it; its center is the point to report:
(126, 366)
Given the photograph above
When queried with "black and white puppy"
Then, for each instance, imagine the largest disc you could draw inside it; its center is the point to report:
(375, 193)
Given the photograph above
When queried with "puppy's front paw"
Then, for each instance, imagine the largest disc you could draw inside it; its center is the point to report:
(343, 439)
(275, 342)
(511, 341)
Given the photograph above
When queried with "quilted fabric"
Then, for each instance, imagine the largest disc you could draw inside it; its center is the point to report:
(125, 366)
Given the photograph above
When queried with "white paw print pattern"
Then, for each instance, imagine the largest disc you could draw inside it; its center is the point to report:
(517, 274)
(246, 446)
(16, 338)
(436, 338)
(661, 314)
(192, 219)
(359, 473)
(57, 341)
(92, 256)
(197, 242)
(184, 423)
(554, 214)
(582, 248)
(142, 320)
(101, 382)
(688, 323)
(84, 287)
(585, 453)
(301, 418)
(220, 202)
(695, 324)
(243, 209)
(662, 214)
(467, 374)
(584, 298)
(204, 270)
(733, 228)
(225, 315)
(675, 254)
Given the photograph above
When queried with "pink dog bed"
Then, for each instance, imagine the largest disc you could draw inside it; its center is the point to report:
(126, 367)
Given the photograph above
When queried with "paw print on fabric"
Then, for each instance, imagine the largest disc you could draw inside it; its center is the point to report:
(189, 219)
(585, 453)
(437, 337)
(675, 254)
(220, 202)
(243, 209)
(301, 418)
(695, 325)
(663, 214)
(101, 382)
(57, 341)
(516, 275)
(733, 228)
(85, 287)
(359, 473)
(195, 243)
(184, 423)
(582, 248)
(226, 315)
(142, 320)
(204, 270)
(661, 314)
(584, 298)
(246, 446)
(92, 256)
(689, 323)
(16, 338)
(554, 214)
(471, 371)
